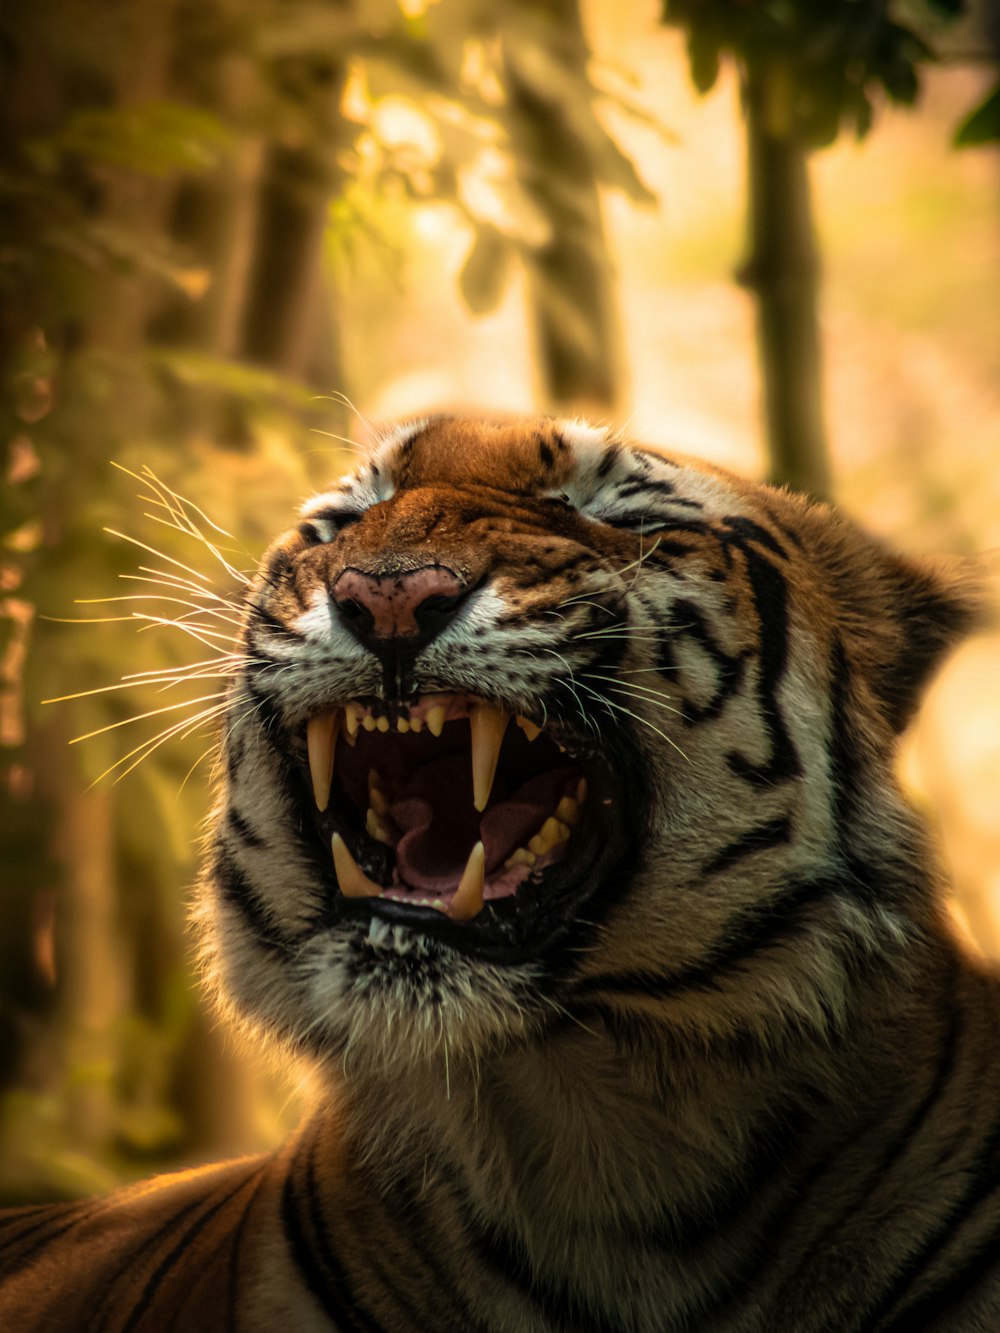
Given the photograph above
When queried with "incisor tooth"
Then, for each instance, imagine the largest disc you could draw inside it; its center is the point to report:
(321, 742)
(435, 719)
(352, 716)
(416, 724)
(353, 881)
(488, 726)
(530, 730)
(402, 724)
(468, 899)
(368, 722)
(383, 723)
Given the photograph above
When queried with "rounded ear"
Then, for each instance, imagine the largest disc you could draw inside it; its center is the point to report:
(899, 616)
(933, 605)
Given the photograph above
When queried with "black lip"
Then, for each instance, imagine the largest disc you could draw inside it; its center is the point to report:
(526, 926)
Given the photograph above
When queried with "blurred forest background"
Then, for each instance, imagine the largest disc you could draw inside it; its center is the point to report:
(768, 234)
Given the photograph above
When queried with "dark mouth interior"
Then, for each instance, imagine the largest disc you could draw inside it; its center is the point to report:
(402, 821)
(427, 818)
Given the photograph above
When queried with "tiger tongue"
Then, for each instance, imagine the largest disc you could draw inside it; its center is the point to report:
(439, 823)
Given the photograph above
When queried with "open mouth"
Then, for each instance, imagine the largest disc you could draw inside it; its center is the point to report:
(451, 814)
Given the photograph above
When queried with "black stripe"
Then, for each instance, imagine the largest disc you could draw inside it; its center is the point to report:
(423, 1237)
(236, 1259)
(760, 927)
(984, 1183)
(758, 839)
(545, 453)
(770, 599)
(982, 1260)
(50, 1233)
(687, 620)
(610, 458)
(642, 486)
(323, 1273)
(746, 530)
(557, 1303)
(943, 1069)
(242, 830)
(276, 628)
(235, 889)
(180, 1247)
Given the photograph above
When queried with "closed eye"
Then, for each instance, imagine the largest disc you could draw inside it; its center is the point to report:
(324, 526)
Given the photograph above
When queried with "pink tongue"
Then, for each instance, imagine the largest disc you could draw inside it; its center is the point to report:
(439, 823)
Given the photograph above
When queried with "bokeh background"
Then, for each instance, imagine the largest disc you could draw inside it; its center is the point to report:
(235, 232)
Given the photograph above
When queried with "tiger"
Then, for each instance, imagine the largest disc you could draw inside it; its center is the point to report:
(558, 831)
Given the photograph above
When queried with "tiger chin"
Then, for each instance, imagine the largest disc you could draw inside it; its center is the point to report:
(557, 827)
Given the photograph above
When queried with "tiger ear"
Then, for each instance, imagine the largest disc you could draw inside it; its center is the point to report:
(934, 606)
(902, 616)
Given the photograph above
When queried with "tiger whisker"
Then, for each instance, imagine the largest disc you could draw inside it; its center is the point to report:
(139, 717)
(177, 506)
(183, 728)
(620, 708)
(167, 579)
(160, 555)
(635, 691)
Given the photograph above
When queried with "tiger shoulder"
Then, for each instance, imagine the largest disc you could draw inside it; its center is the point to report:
(558, 826)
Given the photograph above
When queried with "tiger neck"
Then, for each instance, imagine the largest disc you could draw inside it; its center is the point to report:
(566, 1147)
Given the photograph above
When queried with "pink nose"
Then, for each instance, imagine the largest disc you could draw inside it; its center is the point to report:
(393, 606)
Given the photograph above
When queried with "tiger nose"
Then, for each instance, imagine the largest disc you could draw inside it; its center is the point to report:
(377, 608)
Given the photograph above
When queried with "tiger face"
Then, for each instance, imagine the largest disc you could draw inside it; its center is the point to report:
(535, 724)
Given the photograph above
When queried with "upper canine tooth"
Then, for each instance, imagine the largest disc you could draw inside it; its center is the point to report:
(468, 899)
(529, 728)
(435, 719)
(353, 881)
(321, 742)
(488, 726)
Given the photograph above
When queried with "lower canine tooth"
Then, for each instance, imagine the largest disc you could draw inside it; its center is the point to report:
(353, 881)
(468, 899)
(321, 742)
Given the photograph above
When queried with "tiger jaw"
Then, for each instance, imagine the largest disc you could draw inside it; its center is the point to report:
(447, 808)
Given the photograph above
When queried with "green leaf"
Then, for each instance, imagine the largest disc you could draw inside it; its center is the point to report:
(982, 124)
(153, 138)
(485, 271)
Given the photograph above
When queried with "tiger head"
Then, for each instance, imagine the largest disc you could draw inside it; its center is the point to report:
(533, 725)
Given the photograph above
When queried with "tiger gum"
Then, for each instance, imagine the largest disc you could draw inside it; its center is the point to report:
(488, 725)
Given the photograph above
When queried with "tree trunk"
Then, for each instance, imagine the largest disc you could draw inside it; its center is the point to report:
(570, 279)
(782, 270)
(285, 302)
